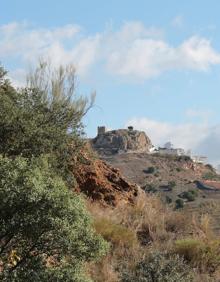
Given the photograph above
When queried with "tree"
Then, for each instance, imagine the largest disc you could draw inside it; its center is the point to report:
(45, 231)
(43, 118)
(45, 234)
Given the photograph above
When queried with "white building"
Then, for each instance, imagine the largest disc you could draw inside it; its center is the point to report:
(171, 151)
(168, 149)
(199, 159)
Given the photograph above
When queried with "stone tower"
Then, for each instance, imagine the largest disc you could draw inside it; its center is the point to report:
(101, 130)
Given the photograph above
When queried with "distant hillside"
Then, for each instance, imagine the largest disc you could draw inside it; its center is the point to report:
(171, 177)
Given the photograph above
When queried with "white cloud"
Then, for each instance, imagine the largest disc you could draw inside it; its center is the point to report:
(197, 53)
(28, 44)
(145, 58)
(186, 135)
(18, 39)
(133, 51)
(202, 138)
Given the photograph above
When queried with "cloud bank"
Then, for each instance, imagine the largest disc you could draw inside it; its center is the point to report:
(201, 138)
(133, 51)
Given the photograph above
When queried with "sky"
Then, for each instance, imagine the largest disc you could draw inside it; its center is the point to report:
(153, 64)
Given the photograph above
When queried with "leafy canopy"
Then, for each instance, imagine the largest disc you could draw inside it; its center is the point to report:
(45, 231)
(42, 222)
(44, 117)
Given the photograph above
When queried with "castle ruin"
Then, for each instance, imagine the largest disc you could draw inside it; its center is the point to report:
(121, 141)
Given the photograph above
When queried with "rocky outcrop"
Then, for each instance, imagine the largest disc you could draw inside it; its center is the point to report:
(105, 184)
(121, 140)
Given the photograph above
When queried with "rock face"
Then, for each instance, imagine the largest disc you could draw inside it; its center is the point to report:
(105, 184)
(121, 140)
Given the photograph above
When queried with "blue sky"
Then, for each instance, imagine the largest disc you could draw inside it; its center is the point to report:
(154, 64)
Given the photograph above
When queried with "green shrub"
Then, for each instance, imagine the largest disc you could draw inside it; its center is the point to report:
(45, 231)
(150, 169)
(210, 167)
(183, 158)
(150, 188)
(211, 176)
(115, 233)
(179, 204)
(43, 119)
(41, 219)
(159, 267)
(189, 195)
(203, 255)
(171, 184)
(168, 200)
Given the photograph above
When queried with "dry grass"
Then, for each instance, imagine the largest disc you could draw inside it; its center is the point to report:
(104, 270)
(203, 255)
(135, 230)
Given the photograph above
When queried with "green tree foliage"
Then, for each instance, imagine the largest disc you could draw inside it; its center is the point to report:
(41, 220)
(160, 267)
(44, 118)
(45, 231)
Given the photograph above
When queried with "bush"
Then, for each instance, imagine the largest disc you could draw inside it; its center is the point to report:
(210, 167)
(149, 188)
(42, 221)
(115, 233)
(150, 169)
(189, 195)
(159, 267)
(171, 184)
(179, 204)
(203, 255)
(184, 158)
(211, 176)
(168, 200)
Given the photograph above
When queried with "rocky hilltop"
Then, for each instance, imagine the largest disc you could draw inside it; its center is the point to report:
(121, 141)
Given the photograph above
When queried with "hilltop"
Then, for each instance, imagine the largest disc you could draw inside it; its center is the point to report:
(120, 140)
